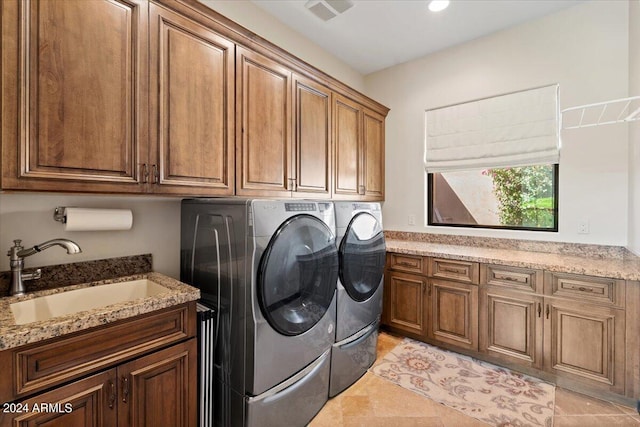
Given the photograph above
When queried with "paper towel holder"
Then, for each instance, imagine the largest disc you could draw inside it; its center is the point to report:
(59, 214)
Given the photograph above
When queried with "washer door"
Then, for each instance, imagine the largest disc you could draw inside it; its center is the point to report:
(297, 275)
(362, 256)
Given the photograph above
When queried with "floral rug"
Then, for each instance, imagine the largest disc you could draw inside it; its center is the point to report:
(492, 394)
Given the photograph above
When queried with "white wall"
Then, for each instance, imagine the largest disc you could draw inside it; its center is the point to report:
(156, 229)
(634, 128)
(585, 50)
(260, 22)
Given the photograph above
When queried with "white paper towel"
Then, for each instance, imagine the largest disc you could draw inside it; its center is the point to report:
(86, 219)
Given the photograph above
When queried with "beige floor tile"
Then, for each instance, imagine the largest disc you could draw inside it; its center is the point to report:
(595, 421)
(571, 403)
(452, 418)
(393, 422)
(627, 409)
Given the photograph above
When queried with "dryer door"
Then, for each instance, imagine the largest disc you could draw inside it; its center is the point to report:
(362, 256)
(297, 275)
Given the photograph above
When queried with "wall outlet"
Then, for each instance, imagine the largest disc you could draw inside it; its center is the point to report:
(411, 220)
(583, 227)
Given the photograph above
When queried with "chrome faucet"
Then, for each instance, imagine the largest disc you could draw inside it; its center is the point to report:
(16, 261)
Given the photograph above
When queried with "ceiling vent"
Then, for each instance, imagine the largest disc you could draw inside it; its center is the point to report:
(327, 9)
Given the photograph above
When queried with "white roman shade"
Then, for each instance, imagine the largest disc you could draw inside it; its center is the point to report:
(517, 129)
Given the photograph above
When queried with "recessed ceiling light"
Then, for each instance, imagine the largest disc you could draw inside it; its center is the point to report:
(438, 5)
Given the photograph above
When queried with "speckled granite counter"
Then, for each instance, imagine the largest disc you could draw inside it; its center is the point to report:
(12, 335)
(625, 266)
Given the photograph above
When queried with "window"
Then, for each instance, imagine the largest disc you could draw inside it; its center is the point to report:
(521, 198)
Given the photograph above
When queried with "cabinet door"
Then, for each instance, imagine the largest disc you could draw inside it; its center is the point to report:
(454, 313)
(192, 107)
(75, 94)
(511, 326)
(405, 302)
(160, 389)
(373, 151)
(263, 108)
(90, 402)
(585, 342)
(312, 147)
(347, 125)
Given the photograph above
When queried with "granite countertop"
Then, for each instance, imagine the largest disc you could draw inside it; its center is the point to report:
(627, 267)
(12, 335)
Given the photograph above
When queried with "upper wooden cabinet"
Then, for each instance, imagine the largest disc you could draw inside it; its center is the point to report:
(312, 139)
(192, 106)
(263, 135)
(359, 151)
(74, 94)
(169, 97)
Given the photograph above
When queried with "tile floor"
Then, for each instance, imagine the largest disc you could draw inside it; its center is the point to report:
(373, 402)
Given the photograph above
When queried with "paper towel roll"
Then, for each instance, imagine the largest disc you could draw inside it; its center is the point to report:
(85, 219)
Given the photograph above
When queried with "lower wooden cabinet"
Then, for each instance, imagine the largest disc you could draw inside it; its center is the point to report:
(511, 326)
(405, 306)
(87, 402)
(454, 313)
(153, 390)
(585, 342)
(441, 311)
(576, 330)
(137, 372)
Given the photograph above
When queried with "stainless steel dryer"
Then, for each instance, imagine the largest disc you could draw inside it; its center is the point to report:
(361, 250)
(269, 271)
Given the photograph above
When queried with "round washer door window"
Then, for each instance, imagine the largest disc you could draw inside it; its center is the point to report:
(362, 256)
(298, 274)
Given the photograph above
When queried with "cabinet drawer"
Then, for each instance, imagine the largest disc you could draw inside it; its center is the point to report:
(462, 271)
(408, 263)
(585, 288)
(515, 278)
(52, 362)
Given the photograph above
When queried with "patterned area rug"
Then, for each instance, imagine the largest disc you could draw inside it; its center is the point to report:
(492, 394)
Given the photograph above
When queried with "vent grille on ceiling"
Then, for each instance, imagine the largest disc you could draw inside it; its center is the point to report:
(328, 9)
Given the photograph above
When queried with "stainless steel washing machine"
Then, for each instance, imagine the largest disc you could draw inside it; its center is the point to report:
(361, 251)
(269, 270)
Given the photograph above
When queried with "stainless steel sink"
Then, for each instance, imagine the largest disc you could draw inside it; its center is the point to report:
(64, 303)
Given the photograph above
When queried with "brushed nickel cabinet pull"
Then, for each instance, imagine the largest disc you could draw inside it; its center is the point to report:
(453, 270)
(112, 394)
(155, 174)
(125, 389)
(145, 173)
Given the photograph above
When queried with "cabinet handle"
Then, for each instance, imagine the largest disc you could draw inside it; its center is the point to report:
(453, 270)
(155, 174)
(125, 389)
(429, 289)
(547, 311)
(509, 279)
(112, 394)
(582, 288)
(361, 190)
(145, 173)
(407, 264)
(539, 310)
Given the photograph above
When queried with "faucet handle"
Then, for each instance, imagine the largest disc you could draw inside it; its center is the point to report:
(17, 243)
